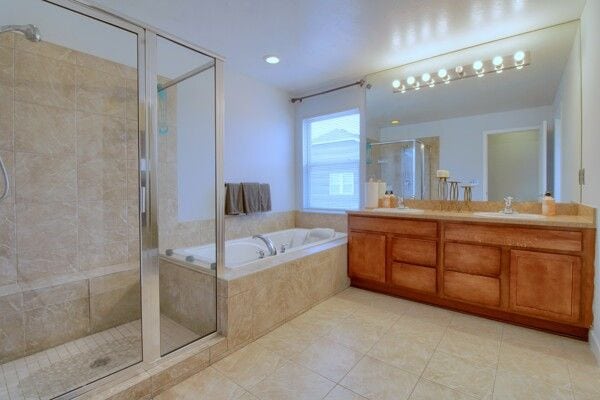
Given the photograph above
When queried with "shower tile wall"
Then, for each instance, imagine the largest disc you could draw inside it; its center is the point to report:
(69, 244)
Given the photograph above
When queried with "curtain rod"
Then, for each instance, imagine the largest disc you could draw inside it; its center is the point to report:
(299, 99)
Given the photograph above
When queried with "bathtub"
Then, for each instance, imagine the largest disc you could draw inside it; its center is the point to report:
(245, 252)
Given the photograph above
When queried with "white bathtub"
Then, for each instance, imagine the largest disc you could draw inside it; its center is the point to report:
(246, 251)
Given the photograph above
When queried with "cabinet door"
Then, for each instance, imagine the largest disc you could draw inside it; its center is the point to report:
(545, 285)
(366, 253)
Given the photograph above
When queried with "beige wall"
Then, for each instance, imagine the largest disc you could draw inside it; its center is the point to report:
(68, 134)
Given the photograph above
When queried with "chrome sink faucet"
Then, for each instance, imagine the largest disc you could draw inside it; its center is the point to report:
(508, 205)
(268, 242)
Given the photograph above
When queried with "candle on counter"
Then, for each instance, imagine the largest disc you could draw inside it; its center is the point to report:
(443, 173)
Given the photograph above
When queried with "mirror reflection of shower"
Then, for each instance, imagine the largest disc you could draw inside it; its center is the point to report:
(32, 33)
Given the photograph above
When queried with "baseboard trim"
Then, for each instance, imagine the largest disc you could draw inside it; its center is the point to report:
(595, 344)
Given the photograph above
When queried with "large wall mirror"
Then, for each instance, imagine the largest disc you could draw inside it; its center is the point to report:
(503, 117)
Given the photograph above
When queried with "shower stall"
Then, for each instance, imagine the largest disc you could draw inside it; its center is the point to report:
(404, 165)
(110, 149)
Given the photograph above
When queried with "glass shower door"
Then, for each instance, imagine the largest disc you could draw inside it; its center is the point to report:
(186, 194)
(69, 226)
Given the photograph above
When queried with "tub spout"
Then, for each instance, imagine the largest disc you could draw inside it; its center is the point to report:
(268, 242)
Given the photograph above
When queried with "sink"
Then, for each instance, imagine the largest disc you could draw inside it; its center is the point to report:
(400, 210)
(515, 215)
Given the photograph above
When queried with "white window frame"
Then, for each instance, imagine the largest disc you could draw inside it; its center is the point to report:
(305, 121)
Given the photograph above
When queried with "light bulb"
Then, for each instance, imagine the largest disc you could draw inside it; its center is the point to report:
(442, 73)
(460, 70)
(402, 89)
(396, 84)
(426, 77)
(519, 56)
(477, 65)
(395, 122)
(410, 80)
(271, 59)
(497, 61)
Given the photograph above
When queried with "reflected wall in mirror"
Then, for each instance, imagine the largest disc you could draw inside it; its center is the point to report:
(504, 117)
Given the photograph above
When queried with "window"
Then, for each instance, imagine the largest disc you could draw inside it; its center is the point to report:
(331, 161)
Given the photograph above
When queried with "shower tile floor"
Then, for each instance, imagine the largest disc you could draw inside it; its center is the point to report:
(360, 345)
(57, 370)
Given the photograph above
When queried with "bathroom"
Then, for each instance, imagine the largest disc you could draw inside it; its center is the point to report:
(185, 200)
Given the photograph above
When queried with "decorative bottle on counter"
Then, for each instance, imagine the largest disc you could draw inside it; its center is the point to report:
(548, 205)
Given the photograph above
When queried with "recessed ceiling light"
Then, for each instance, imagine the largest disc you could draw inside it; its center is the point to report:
(272, 59)
(395, 122)
(396, 84)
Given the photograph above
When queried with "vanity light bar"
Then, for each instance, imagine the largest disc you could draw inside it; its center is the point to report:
(478, 69)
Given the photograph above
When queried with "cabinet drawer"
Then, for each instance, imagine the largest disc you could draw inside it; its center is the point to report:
(414, 251)
(472, 259)
(414, 277)
(515, 236)
(394, 225)
(472, 288)
(545, 285)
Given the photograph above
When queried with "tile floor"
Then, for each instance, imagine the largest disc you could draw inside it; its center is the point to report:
(55, 371)
(360, 345)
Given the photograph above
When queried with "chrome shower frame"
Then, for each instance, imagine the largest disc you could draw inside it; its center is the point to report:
(148, 183)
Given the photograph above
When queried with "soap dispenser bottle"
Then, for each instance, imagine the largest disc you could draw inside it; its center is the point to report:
(548, 205)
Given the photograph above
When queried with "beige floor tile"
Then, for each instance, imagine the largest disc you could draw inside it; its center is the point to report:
(427, 390)
(477, 349)
(339, 304)
(318, 323)
(578, 351)
(552, 370)
(286, 341)
(249, 365)
(478, 326)
(341, 393)
(403, 352)
(460, 374)
(419, 329)
(292, 381)
(360, 332)
(432, 314)
(207, 384)
(374, 379)
(533, 340)
(511, 386)
(585, 379)
(329, 359)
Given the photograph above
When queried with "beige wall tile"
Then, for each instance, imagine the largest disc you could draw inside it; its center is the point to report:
(338, 222)
(43, 80)
(176, 370)
(104, 65)
(101, 179)
(6, 116)
(268, 303)
(53, 295)
(46, 262)
(7, 39)
(45, 49)
(95, 255)
(131, 100)
(132, 132)
(100, 93)
(46, 226)
(12, 332)
(42, 178)
(102, 222)
(44, 129)
(239, 319)
(100, 137)
(115, 307)
(55, 324)
(8, 241)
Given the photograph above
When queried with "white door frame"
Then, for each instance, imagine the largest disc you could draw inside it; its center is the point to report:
(484, 181)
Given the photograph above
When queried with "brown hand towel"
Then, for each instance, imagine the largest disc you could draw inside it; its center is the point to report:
(265, 197)
(234, 202)
(251, 194)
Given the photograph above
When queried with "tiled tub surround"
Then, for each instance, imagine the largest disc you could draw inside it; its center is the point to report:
(188, 296)
(69, 248)
(254, 300)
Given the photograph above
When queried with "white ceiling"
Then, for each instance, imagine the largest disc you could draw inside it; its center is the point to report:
(323, 43)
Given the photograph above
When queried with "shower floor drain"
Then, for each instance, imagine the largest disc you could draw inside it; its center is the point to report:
(100, 362)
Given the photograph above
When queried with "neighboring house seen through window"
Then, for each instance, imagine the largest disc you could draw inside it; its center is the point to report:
(331, 161)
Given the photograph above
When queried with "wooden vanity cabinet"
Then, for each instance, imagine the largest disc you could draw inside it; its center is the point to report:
(537, 276)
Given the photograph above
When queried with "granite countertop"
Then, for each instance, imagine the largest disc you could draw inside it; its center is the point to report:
(570, 221)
